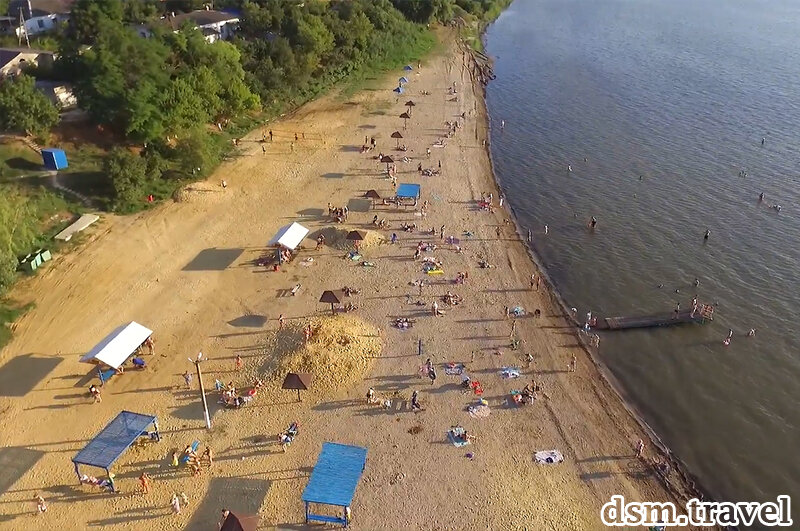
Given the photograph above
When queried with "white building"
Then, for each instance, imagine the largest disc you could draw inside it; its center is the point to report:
(39, 15)
(215, 25)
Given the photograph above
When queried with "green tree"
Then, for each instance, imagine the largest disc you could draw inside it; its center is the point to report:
(87, 16)
(129, 177)
(197, 153)
(23, 108)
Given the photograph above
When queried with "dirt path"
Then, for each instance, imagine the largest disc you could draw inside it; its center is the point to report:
(187, 271)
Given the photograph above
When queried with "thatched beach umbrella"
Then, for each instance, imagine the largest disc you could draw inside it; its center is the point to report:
(299, 381)
(410, 104)
(372, 194)
(356, 236)
(387, 160)
(332, 297)
(405, 116)
(237, 522)
(398, 135)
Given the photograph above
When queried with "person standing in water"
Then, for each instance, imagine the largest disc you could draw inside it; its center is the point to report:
(707, 234)
(728, 339)
(593, 222)
(763, 139)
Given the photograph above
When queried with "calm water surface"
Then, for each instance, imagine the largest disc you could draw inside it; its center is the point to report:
(679, 92)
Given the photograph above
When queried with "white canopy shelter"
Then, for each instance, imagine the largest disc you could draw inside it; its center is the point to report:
(289, 236)
(118, 345)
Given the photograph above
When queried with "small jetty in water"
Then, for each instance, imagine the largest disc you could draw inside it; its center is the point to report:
(703, 314)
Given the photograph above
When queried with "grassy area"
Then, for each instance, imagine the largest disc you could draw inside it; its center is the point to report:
(17, 159)
(9, 312)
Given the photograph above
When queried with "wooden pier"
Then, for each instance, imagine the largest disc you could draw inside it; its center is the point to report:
(704, 313)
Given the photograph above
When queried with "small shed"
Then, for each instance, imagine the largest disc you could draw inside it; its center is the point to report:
(54, 159)
(109, 445)
(334, 481)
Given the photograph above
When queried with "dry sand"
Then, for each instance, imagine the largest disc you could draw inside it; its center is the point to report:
(187, 270)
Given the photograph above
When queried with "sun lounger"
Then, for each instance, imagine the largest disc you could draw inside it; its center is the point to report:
(509, 372)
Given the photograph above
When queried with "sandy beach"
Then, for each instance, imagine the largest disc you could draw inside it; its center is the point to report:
(188, 271)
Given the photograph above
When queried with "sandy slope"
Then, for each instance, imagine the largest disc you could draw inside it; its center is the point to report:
(185, 269)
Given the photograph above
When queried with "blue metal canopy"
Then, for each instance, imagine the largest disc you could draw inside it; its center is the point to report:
(336, 475)
(108, 445)
(408, 191)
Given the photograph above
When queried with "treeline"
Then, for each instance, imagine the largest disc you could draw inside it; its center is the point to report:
(166, 98)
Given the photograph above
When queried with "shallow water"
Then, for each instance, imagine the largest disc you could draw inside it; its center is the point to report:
(681, 93)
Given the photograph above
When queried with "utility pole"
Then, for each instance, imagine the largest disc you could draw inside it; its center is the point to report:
(202, 388)
(23, 30)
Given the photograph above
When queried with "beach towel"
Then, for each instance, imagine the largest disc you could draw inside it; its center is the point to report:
(451, 434)
(509, 372)
(195, 446)
(453, 368)
(479, 411)
(548, 457)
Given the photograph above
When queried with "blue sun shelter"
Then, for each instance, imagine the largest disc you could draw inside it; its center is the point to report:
(406, 191)
(109, 445)
(54, 159)
(334, 481)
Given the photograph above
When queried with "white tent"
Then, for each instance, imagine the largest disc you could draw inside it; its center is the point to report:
(118, 345)
(289, 236)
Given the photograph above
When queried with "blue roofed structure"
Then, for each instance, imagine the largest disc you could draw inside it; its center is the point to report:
(334, 480)
(108, 445)
(408, 191)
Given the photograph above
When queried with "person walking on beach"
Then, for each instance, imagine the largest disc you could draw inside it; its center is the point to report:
(573, 363)
(513, 329)
(176, 504)
(441, 232)
(187, 377)
(497, 231)
(238, 363)
(144, 479)
(694, 306)
(270, 135)
(263, 149)
(208, 455)
(41, 505)
(533, 280)
(432, 374)
(95, 393)
(677, 310)
(639, 448)
(415, 401)
(530, 236)
(280, 322)
(151, 345)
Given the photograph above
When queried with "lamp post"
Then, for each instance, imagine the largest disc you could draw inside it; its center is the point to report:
(202, 387)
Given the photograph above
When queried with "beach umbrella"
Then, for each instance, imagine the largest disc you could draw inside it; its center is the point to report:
(408, 68)
(372, 194)
(405, 116)
(332, 297)
(398, 136)
(356, 237)
(410, 104)
(300, 381)
(236, 522)
(403, 79)
(387, 160)
(399, 90)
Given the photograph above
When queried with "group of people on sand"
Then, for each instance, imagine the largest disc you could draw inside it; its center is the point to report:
(338, 214)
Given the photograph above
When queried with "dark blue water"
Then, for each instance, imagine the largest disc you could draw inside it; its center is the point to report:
(679, 92)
